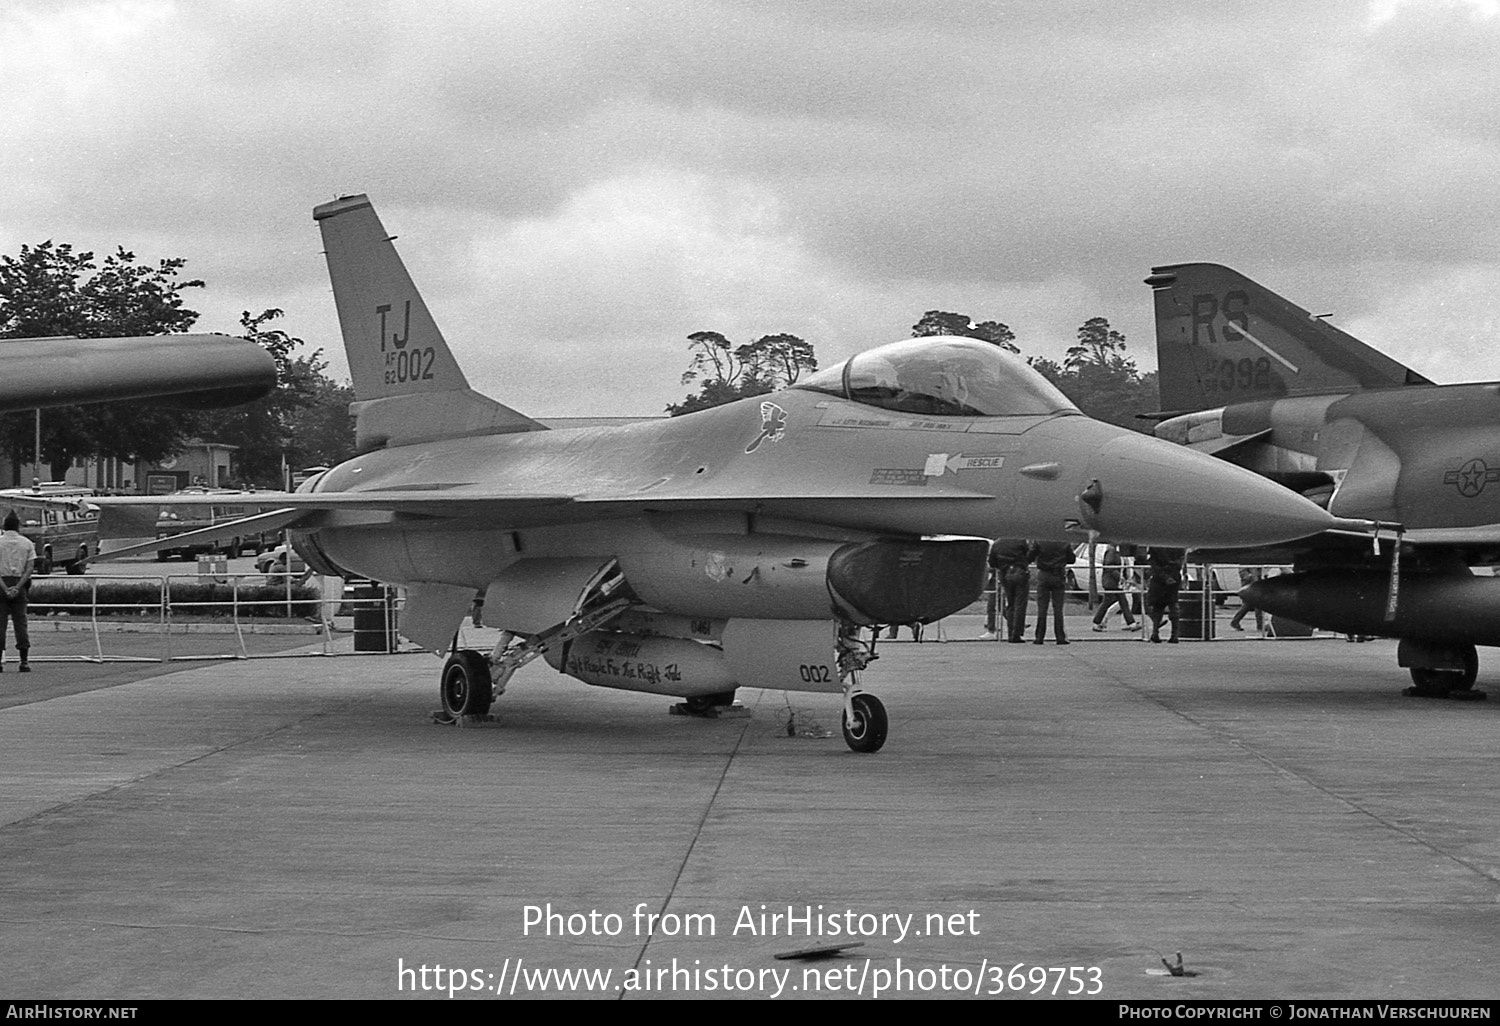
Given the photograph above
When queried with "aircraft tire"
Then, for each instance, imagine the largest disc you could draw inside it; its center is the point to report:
(466, 689)
(1449, 680)
(867, 731)
(703, 703)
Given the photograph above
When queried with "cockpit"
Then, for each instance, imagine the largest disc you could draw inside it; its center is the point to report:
(942, 376)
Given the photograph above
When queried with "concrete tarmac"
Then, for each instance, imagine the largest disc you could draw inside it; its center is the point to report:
(299, 827)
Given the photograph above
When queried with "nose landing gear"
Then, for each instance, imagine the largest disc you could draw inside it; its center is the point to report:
(865, 722)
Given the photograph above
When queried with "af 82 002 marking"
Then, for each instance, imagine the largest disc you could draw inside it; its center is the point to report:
(412, 365)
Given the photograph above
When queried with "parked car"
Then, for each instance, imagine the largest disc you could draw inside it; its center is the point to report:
(282, 559)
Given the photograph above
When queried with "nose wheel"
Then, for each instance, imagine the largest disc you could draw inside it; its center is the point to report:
(864, 723)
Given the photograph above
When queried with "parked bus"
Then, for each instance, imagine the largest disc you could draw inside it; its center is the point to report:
(60, 522)
(220, 506)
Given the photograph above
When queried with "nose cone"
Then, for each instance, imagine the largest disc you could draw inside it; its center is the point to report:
(1154, 492)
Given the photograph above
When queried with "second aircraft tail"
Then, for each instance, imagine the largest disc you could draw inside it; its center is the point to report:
(1221, 339)
(407, 384)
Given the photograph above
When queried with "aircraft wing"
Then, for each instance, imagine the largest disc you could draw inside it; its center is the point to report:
(457, 502)
(192, 370)
(1483, 535)
(313, 509)
(275, 520)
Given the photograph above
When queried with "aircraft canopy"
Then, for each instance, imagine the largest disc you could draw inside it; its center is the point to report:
(942, 376)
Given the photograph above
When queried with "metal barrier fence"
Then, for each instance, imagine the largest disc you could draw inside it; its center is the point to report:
(359, 618)
(333, 616)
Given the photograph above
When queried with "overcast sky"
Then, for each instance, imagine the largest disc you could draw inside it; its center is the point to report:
(579, 184)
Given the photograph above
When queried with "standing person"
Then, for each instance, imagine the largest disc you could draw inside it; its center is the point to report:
(1113, 585)
(1248, 576)
(1010, 558)
(1165, 569)
(1052, 561)
(17, 555)
(992, 613)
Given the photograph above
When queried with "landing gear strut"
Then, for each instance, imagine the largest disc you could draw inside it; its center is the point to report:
(472, 680)
(865, 722)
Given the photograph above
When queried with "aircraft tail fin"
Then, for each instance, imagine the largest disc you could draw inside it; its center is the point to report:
(407, 384)
(1221, 339)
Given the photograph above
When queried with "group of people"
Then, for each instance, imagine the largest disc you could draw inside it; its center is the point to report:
(1011, 559)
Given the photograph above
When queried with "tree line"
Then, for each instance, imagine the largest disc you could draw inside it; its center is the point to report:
(52, 290)
(1097, 373)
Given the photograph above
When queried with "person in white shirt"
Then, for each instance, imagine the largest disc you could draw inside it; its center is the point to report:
(17, 555)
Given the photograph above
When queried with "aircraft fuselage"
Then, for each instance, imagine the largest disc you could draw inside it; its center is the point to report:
(1425, 456)
(819, 463)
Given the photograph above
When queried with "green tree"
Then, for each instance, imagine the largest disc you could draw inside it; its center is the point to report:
(261, 429)
(726, 372)
(940, 322)
(49, 290)
(323, 431)
(1100, 377)
(304, 421)
(1098, 345)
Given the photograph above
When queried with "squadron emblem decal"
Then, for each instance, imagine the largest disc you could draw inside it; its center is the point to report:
(772, 425)
(1471, 478)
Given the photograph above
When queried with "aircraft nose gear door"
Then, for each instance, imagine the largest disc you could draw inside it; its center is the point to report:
(471, 682)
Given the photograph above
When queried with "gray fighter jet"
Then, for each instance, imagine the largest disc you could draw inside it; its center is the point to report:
(750, 544)
(1263, 384)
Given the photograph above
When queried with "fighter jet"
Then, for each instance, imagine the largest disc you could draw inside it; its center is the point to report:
(1263, 384)
(185, 370)
(747, 545)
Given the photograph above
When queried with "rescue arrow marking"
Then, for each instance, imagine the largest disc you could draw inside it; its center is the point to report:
(939, 463)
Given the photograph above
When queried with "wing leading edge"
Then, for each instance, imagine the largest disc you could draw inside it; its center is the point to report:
(511, 510)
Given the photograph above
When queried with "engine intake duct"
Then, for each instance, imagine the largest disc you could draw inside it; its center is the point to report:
(884, 582)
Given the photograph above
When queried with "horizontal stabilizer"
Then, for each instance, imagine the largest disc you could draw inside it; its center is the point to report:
(1225, 445)
(425, 417)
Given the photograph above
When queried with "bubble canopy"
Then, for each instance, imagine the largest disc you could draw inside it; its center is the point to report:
(942, 377)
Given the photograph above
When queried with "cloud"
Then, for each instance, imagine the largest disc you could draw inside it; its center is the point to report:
(578, 185)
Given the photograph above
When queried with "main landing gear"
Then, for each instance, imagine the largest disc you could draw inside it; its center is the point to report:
(1429, 682)
(466, 688)
(472, 680)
